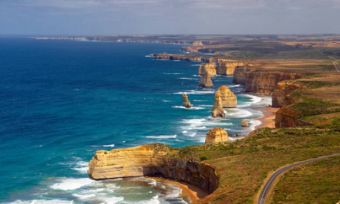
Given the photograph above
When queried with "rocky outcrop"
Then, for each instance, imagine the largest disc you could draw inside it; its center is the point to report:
(182, 57)
(262, 82)
(217, 110)
(286, 117)
(206, 81)
(216, 135)
(229, 99)
(207, 68)
(152, 160)
(245, 123)
(186, 101)
(282, 94)
(227, 67)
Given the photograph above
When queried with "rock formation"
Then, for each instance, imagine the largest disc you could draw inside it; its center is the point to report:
(186, 101)
(152, 160)
(207, 68)
(229, 99)
(227, 67)
(245, 123)
(262, 82)
(216, 135)
(206, 81)
(281, 95)
(217, 110)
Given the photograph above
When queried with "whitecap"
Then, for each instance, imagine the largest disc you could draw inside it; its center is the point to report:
(71, 183)
(196, 92)
(81, 167)
(175, 73)
(192, 108)
(187, 78)
(109, 145)
(52, 201)
(238, 113)
(162, 137)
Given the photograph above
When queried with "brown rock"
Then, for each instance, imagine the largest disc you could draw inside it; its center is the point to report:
(229, 99)
(206, 81)
(216, 135)
(245, 123)
(208, 68)
(186, 101)
(227, 67)
(152, 160)
(217, 110)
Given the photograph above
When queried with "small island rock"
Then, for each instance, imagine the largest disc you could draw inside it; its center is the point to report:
(216, 135)
(186, 101)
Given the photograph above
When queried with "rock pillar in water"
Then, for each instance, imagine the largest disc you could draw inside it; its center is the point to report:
(186, 102)
(217, 110)
(229, 99)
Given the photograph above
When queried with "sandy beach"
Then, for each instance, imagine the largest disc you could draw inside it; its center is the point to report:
(189, 192)
(268, 119)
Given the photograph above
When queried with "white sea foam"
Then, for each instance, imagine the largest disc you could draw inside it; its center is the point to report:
(175, 73)
(254, 124)
(162, 137)
(254, 99)
(187, 78)
(52, 201)
(234, 85)
(166, 101)
(238, 113)
(109, 145)
(81, 167)
(71, 183)
(192, 108)
(196, 92)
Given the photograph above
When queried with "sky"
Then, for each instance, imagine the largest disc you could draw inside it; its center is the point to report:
(135, 17)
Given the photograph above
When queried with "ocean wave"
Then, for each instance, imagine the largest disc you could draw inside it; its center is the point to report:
(162, 137)
(192, 108)
(67, 184)
(254, 124)
(196, 92)
(175, 73)
(52, 201)
(109, 145)
(187, 78)
(254, 100)
(238, 113)
(81, 167)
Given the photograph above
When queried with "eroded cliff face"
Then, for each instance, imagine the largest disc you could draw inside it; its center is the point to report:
(208, 68)
(227, 67)
(216, 135)
(282, 94)
(262, 82)
(217, 110)
(152, 160)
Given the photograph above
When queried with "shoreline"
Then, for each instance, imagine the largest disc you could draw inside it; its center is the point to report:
(189, 192)
(268, 118)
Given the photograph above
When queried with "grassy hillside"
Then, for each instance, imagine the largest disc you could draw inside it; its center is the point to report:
(243, 165)
(314, 183)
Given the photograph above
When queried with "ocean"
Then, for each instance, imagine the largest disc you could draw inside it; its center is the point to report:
(63, 100)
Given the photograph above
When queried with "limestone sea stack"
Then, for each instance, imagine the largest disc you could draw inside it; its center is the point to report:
(208, 68)
(186, 101)
(229, 99)
(217, 110)
(206, 81)
(216, 135)
(245, 123)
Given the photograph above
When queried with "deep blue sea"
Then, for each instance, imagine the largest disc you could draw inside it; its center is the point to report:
(60, 101)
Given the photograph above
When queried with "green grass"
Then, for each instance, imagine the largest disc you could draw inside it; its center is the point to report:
(314, 183)
(243, 165)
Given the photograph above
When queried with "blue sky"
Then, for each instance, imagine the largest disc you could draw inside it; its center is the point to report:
(112, 17)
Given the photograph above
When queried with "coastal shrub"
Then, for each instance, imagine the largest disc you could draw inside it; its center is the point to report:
(202, 158)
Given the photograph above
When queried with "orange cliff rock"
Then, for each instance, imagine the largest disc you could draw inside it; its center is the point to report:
(216, 135)
(152, 160)
(228, 67)
(229, 99)
(208, 68)
(206, 81)
(217, 110)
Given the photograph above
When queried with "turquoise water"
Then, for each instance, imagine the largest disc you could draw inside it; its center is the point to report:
(63, 100)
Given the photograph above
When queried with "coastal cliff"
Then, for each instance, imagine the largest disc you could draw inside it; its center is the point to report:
(261, 82)
(152, 160)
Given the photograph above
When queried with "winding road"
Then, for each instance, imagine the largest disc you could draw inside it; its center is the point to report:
(335, 64)
(265, 191)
